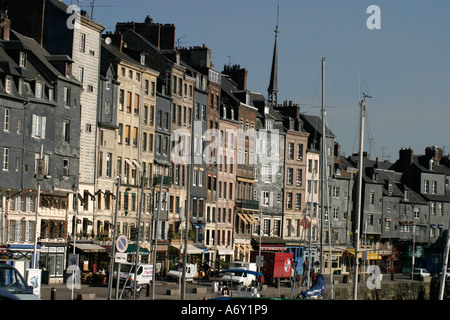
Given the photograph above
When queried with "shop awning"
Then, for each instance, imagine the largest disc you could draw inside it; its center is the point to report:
(245, 248)
(191, 249)
(89, 247)
(242, 217)
(132, 250)
(370, 255)
(225, 252)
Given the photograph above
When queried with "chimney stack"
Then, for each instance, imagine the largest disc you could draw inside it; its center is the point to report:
(434, 152)
(406, 157)
(5, 25)
(237, 74)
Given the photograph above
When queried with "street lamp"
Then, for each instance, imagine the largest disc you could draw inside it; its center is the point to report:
(113, 244)
(39, 179)
(138, 234)
(155, 246)
(74, 227)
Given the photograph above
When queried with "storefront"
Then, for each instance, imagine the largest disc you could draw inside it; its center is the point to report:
(365, 258)
(92, 259)
(52, 261)
(19, 256)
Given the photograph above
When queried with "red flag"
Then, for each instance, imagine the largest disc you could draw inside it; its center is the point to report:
(305, 223)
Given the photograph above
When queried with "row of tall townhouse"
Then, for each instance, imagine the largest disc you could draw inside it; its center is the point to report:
(40, 141)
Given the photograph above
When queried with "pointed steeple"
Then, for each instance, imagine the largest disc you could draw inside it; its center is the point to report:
(273, 85)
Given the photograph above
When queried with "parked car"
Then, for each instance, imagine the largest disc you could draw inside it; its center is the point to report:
(420, 273)
(13, 286)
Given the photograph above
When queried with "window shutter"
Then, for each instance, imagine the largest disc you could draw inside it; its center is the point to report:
(271, 199)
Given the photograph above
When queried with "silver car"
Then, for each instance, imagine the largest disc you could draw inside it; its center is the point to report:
(420, 273)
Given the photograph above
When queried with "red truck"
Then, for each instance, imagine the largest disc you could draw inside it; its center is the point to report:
(277, 266)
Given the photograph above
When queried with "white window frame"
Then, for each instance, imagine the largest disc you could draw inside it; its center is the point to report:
(38, 126)
(5, 164)
(7, 120)
(8, 84)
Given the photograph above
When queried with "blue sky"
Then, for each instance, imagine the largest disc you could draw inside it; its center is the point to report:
(405, 65)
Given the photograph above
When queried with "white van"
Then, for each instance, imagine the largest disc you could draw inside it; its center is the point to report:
(241, 278)
(144, 272)
(191, 273)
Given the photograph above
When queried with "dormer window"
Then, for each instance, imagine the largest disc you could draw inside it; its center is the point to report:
(390, 188)
(38, 91)
(51, 94)
(8, 84)
(20, 86)
(22, 59)
(68, 69)
(406, 195)
(142, 59)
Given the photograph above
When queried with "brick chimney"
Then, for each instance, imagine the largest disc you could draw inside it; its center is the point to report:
(5, 25)
(434, 152)
(406, 157)
(237, 74)
(162, 36)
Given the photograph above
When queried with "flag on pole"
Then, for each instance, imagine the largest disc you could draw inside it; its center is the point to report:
(305, 223)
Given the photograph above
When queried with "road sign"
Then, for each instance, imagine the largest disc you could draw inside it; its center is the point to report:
(259, 261)
(121, 243)
(121, 257)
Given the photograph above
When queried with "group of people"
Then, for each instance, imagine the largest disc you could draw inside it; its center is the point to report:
(312, 274)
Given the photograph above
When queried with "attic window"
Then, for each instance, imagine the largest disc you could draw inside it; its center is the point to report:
(39, 90)
(406, 195)
(390, 187)
(68, 69)
(22, 59)
(142, 59)
(8, 84)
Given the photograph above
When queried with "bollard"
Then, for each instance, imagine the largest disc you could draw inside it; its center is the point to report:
(53, 294)
(147, 292)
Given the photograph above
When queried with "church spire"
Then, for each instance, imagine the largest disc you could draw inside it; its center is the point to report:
(273, 85)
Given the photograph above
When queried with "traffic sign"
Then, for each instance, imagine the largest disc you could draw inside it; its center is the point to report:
(121, 257)
(259, 261)
(121, 243)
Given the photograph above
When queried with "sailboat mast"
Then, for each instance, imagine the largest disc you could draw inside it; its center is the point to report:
(359, 194)
(322, 166)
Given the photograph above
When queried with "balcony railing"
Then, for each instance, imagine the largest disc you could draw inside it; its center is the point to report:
(247, 204)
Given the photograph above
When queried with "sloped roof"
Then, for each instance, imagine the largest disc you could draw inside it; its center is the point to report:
(316, 123)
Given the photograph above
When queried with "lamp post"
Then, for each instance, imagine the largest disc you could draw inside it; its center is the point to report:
(155, 233)
(139, 235)
(39, 179)
(113, 244)
(74, 227)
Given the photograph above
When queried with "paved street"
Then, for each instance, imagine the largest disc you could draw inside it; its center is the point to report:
(204, 287)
